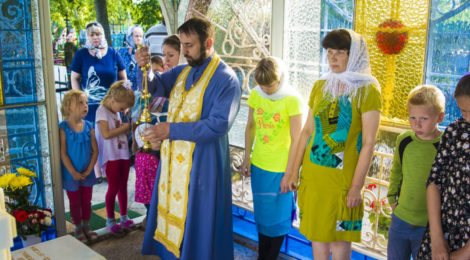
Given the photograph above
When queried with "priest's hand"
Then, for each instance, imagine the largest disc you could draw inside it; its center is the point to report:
(142, 56)
(157, 133)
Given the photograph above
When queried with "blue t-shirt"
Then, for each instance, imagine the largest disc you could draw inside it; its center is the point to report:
(97, 74)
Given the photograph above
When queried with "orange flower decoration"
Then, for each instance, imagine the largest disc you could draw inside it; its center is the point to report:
(391, 37)
(259, 111)
(277, 117)
(266, 139)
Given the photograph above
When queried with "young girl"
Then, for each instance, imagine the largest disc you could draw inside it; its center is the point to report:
(275, 120)
(146, 165)
(78, 154)
(447, 188)
(111, 135)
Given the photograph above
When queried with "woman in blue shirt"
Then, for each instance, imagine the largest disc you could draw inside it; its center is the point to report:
(95, 67)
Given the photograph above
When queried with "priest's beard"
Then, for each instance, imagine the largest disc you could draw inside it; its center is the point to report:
(199, 61)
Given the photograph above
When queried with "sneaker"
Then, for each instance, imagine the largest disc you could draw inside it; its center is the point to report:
(128, 224)
(116, 230)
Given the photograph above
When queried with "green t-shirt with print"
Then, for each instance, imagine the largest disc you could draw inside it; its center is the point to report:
(272, 138)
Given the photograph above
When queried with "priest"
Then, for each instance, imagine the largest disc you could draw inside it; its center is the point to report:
(190, 215)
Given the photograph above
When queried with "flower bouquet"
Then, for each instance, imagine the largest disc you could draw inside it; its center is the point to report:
(30, 219)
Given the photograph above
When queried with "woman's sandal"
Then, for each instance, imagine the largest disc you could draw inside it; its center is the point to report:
(80, 235)
(89, 233)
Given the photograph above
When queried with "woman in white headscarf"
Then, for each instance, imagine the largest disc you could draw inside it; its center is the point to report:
(336, 147)
(95, 67)
(134, 38)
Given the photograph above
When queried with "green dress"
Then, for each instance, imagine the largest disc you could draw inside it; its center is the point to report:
(329, 163)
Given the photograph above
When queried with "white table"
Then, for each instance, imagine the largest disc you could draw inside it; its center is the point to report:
(66, 247)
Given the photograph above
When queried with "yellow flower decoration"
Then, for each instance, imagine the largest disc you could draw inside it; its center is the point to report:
(20, 182)
(26, 172)
(5, 180)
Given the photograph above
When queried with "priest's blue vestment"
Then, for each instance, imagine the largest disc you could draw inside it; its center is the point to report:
(208, 227)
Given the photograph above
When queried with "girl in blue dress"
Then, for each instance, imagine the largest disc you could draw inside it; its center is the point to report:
(78, 154)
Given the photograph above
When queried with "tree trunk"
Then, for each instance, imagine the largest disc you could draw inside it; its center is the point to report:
(102, 17)
(197, 7)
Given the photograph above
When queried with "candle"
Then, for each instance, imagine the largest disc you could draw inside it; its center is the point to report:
(2, 200)
(8, 227)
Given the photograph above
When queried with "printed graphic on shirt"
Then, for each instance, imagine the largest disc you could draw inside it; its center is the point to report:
(332, 123)
(93, 90)
(268, 125)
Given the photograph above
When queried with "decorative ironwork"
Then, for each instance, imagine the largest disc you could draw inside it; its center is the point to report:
(241, 185)
(245, 27)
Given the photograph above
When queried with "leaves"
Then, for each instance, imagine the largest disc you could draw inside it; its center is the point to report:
(124, 12)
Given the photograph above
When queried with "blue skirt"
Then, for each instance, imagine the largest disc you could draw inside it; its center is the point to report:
(273, 209)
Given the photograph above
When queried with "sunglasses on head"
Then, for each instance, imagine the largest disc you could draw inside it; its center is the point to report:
(92, 24)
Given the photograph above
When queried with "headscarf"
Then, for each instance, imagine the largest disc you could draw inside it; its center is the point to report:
(103, 42)
(284, 89)
(129, 42)
(357, 74)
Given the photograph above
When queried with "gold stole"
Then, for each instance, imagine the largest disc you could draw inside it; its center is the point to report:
(176, 159)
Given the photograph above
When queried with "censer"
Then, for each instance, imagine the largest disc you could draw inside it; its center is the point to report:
(144, 120)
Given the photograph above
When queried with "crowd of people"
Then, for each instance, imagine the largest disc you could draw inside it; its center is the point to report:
(185, 181)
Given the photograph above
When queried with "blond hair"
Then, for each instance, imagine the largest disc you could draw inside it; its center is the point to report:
(70, 96)
(120, 93)
(267, 71)
(427, 95)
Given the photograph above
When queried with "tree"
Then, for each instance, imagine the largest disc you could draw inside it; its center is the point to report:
(102, 17)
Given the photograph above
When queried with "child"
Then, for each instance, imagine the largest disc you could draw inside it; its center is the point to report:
(111, 135)
(157, 64)
(146, 161)
(414, 153)
(448, 192)
(78, 154)
(275, 120)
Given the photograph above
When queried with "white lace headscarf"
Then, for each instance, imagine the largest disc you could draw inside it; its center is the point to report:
(129, 42)
(357, 74)
(94, 27)
(284, 89)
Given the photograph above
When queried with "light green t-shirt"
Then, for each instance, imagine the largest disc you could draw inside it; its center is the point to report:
(272, 138)
(408, 177)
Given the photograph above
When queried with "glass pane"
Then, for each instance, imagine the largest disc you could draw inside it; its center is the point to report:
(448, 50)
(301, 43)
(396, 35)
(335, 14)
(18, 52)
(242, 34)
(242, 37)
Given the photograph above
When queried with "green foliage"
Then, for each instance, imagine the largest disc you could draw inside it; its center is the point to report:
(383, 220)
(80, 12)
(147, 13)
